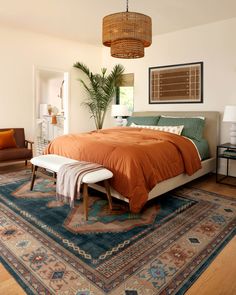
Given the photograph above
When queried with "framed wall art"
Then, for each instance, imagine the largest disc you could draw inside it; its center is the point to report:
(181, 83)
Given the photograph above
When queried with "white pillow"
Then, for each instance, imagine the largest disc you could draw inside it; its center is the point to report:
(172, 129)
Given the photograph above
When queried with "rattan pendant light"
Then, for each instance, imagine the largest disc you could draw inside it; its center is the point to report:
(127, 33)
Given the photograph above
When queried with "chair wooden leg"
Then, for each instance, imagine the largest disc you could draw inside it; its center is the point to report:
(107, 187)
(35, 168)
(26, 162)
(85, 200)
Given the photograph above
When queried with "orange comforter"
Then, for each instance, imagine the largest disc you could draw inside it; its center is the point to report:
(139, 158)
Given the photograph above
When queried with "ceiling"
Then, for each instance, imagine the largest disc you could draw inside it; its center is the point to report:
(81, 20)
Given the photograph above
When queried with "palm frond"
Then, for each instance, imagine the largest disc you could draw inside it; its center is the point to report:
(116, 74)
(83, 68)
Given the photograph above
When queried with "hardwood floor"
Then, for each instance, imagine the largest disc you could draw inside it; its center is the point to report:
(8, 285)
(218, 279)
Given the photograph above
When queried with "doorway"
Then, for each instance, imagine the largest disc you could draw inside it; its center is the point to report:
(51, 106)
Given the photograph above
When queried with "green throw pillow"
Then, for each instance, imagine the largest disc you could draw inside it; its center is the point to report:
(203, 148)
(150, 121)
(193, 127)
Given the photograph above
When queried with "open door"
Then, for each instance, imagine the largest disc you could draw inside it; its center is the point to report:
(51, 106)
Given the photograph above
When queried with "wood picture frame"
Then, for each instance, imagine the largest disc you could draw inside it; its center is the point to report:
(180, 83)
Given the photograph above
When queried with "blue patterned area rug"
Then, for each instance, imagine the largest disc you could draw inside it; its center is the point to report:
(50, 249)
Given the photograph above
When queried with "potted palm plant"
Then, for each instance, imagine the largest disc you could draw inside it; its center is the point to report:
(100, 89)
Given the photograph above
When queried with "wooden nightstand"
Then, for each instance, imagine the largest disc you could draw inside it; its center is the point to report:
(228, 154)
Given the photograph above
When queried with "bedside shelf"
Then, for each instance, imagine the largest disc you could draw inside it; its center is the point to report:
(222, 155)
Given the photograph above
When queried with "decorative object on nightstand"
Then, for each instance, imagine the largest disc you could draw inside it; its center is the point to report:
(119, 111)
(230, 116)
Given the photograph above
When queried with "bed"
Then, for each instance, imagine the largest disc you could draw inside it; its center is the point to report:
(208, 165)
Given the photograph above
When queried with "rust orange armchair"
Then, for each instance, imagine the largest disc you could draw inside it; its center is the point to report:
(23, 151)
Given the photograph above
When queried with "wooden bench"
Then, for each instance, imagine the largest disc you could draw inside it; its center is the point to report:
(54, 162)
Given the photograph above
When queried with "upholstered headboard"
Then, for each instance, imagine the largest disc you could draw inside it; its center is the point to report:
(211, 130)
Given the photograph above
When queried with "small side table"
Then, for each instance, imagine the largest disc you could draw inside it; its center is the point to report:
(222, 155)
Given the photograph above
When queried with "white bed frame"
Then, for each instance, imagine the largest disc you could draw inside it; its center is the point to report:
(211, 134)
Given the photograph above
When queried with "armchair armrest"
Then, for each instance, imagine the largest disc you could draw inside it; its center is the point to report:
(29, 143)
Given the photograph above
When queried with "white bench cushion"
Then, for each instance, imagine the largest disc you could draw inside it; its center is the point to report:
(54, 162)
(51, 162)
(97, 176)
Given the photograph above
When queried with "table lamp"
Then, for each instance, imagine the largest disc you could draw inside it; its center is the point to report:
(119, 111)
(230, 116)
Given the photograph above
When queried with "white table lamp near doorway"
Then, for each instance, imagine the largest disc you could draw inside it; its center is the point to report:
(119, 111)
(230, 116)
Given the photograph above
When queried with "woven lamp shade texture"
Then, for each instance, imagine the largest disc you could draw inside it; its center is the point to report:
(127, 33)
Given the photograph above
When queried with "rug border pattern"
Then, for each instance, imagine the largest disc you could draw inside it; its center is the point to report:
(103, 276)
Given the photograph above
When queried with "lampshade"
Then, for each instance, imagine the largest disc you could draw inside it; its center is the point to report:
(230, 113)
(119, 110)
(230, 116)
(127, 33)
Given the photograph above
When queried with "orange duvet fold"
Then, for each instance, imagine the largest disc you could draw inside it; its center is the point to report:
(139, 158)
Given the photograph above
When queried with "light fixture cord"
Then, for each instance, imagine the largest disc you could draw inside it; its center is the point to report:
(127, 5)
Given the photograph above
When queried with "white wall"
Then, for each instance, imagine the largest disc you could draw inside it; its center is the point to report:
(214, 44)
(43, 91)
(49, 91)
(20, 52)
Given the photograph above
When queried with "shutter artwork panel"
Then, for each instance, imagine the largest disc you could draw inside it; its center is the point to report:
(176, 84)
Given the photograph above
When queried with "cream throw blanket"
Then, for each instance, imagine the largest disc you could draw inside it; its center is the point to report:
(69, 179)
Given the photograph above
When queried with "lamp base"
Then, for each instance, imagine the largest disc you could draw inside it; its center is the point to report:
(119, 121)
(233, 133)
